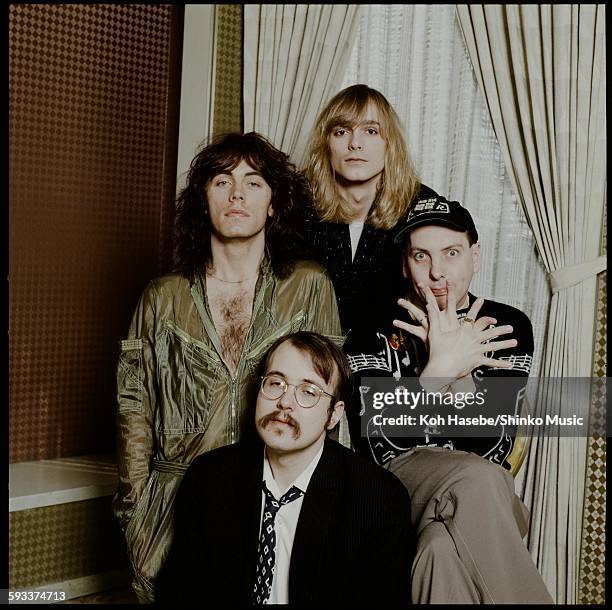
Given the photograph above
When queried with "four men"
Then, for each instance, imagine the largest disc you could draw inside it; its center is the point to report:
(287, 514)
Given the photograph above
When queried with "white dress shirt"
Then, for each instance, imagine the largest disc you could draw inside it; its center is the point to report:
(285, 525)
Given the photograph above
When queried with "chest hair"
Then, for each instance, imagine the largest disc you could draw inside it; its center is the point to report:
(231, 309)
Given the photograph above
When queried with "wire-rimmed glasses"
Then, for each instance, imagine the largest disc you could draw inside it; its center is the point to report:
(306, 394)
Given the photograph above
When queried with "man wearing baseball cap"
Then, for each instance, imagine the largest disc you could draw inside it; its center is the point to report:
(469, 521)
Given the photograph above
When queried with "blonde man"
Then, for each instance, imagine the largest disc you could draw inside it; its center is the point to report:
(363, 182)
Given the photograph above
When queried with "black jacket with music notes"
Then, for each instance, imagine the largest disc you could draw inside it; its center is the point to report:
(386, 351)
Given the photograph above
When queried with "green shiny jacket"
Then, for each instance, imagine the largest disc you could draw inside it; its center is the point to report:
(176, 397)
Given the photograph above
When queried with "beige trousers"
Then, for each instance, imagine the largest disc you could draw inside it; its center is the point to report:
(470, 526)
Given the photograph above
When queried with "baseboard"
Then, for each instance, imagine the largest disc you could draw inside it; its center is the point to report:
(85, 585)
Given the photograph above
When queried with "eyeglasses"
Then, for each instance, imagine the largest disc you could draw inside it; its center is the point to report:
(306, 394)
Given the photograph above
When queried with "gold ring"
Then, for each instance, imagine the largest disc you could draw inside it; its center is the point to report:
(467, 320)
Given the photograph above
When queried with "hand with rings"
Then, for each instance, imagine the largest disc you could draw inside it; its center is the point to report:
(416, 314)
(456, 347)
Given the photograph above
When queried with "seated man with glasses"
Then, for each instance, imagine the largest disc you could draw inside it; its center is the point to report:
(288, 515)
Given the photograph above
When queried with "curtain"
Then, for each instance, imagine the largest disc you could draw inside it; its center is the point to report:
(415, 55)
(542, 72)
(294, 60)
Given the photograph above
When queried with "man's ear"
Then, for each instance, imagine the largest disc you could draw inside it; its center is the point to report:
(336, 415)
(475, 257)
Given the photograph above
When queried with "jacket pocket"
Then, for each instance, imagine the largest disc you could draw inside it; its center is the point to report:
(188, 374)
(130, 376)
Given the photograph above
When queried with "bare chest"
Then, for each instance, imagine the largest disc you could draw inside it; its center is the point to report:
(231, 308)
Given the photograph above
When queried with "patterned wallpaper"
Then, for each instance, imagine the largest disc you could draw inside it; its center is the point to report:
(93, 119)
(592, 579)
(228, 70)
(62, 542)
(93, 116)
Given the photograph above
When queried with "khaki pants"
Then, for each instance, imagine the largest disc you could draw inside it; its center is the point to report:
(470, 525)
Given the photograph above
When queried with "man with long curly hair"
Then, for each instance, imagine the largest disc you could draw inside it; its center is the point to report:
(197, 335)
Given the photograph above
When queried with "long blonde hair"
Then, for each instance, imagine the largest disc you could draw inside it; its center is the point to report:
(399, 181)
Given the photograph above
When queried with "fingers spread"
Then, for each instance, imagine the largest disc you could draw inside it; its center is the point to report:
(484, 322)
(418, 331)
(496, 364)
(475, 308)
(494, 346)
(433, 311)
(497, 331)
(415, 312)
(451, 299)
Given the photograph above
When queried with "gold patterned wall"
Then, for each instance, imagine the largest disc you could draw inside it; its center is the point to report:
(93, 124)
(592, 577)
(228, 70)
(62, 542)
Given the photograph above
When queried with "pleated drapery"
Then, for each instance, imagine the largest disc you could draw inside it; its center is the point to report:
(542, 71)
(415, 55)
(295, 57)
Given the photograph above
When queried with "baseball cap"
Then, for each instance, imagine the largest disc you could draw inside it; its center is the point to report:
(437, 210)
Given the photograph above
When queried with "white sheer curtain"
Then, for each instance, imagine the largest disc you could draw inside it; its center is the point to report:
(415, 55)
(294, 60)
(543, 73)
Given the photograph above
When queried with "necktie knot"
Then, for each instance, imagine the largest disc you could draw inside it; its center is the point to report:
(273, 505)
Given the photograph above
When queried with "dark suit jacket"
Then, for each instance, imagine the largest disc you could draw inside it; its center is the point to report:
(353, 542)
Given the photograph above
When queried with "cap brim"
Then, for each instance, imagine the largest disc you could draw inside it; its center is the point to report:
(403, 233)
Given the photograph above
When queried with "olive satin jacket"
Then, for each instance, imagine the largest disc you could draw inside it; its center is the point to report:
(177, 398)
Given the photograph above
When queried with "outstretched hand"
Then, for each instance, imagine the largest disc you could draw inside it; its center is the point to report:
(455, 347)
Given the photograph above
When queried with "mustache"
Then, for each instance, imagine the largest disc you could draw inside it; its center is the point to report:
(266, 419)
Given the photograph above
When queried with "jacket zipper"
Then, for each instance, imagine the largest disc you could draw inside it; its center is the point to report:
(233, 409)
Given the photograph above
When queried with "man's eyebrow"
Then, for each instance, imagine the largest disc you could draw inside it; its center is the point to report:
(456, 246)
(360, 124)
(304, 380)
(229, 173)
(368, 122)
(311, 382)
(277, 373)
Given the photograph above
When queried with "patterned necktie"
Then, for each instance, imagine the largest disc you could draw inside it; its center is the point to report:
(266, 560)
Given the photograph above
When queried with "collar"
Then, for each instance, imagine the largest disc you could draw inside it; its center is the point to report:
(265, 271)
(301, 482)
(266, 264)
(470, 300)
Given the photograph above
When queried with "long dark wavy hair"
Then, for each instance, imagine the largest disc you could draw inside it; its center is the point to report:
(291, 196)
